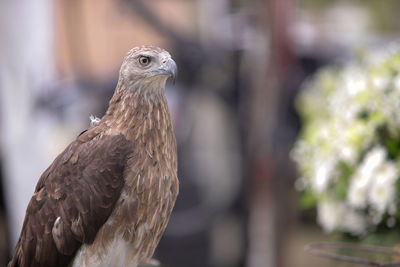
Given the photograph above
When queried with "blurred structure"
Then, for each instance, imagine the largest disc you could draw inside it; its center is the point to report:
(240, 67)
(24, 129)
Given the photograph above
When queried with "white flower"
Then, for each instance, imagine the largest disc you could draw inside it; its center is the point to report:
(374, 158)
(322, 174)
(354, 81)
(380, 82)
(361, 180)
(355, 136)
(330, 214)
(396, 83)
(348, 153)
(335, 215)
(358, 191)
(383, 192)
(343, 110)
(373, 182)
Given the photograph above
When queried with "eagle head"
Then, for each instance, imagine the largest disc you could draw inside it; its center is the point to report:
(147, 68)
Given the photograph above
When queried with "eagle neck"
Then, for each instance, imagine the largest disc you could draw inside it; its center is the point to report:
(138, 112)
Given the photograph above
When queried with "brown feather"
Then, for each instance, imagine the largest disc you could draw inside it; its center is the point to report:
(117, 182)
(72, 200)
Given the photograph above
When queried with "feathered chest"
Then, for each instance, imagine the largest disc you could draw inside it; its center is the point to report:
(148, 196)
(151, 172)
(151, 183)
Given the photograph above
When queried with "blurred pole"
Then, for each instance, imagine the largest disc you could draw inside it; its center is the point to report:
(269, 58)
(26, 64)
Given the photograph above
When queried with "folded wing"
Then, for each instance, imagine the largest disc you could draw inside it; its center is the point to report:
(73, 199)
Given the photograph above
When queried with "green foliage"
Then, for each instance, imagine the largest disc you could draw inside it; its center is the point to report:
(341, 186)
(308, 200)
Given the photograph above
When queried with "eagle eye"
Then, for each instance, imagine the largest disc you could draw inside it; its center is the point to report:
(144, 61)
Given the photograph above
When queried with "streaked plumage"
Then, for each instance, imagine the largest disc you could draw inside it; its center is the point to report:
(106, 199)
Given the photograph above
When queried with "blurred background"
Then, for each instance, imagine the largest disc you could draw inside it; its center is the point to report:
(241, 65)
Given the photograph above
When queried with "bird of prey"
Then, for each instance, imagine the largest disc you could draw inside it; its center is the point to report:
(107, 198)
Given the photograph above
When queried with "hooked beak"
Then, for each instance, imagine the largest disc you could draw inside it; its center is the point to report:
(169, 68)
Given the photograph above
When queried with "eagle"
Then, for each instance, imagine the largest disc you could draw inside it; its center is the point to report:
(107, 198)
